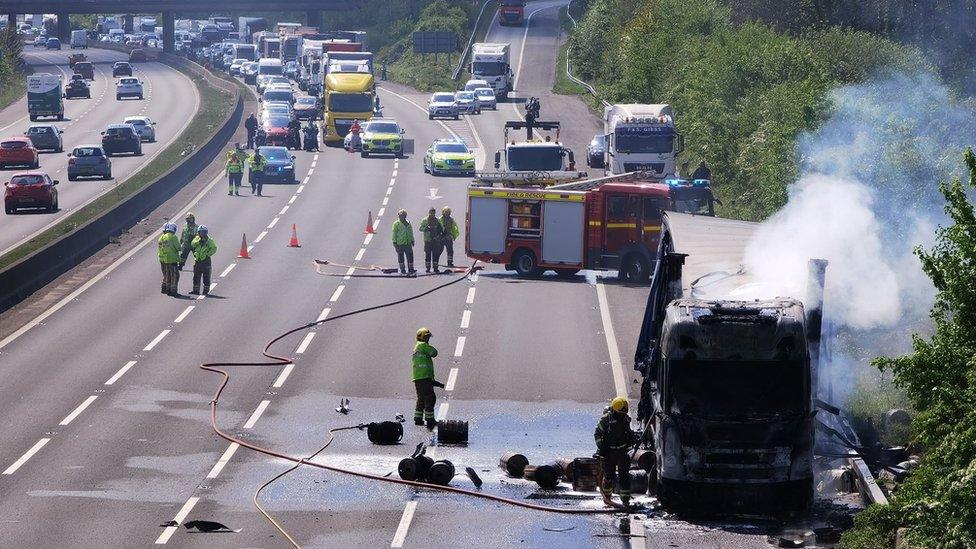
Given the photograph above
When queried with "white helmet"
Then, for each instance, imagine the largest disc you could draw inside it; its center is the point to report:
(170, 227)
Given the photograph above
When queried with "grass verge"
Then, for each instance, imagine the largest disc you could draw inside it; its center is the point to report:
(215, 104)
(12, 88)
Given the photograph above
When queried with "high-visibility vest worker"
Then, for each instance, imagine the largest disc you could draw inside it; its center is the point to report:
(402, 232)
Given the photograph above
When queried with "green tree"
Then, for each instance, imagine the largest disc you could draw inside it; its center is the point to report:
(938, 503)
(11, 45)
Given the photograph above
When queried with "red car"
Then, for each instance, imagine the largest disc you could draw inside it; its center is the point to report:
(275, 126)
(18, 151)
(30, 190)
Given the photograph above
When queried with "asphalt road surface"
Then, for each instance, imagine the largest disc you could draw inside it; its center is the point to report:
(105, 415)
(171, 99)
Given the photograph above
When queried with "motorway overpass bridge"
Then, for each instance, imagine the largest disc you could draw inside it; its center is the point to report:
(169, 10)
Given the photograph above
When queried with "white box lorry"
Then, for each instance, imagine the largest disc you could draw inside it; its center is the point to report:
(491, 62)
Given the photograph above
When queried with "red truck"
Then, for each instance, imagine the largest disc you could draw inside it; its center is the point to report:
(511, 12)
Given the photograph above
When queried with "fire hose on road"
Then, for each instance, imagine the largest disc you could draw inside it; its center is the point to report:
(277, 360)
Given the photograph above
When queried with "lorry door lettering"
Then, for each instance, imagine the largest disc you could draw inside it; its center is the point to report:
(621, 222)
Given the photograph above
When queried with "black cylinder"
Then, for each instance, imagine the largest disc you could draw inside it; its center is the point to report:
(452, 431)
(441, 472)
(514, 464)
(414, 468)
(568, 468)
(546, 476)
(643, 460)
(385, 432)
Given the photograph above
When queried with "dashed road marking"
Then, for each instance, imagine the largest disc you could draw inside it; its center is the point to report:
(619, 383)
(219, 466)
(280, 381)
(27, 455)
(273, 222)
(451, 380)
(77, 411)
(325, 312)
(187, 311)
(228, 269)
(292, 199)
(470, 299)
(360, 253)
(381, 212)
(256, 415)
(336, 294)
(212, 286)
(300, 189)
(442, 411)
(465, 319)
(386, 200)
(368, 238)
(121, 372)
(404, 526)
(178, 519)
(283, 210)
(156, 340)
(259, 238)
(459, 347)
(305, 343)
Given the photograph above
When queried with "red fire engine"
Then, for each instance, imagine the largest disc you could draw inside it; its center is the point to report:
(608, 223)
(511, 12)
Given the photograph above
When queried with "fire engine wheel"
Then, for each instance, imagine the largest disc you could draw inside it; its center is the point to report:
(526, 264)
(635, 268)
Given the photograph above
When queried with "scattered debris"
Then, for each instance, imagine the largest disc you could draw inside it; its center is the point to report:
(210, 527)
(343, 406)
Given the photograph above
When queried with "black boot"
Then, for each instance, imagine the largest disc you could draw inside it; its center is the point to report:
(163, 289)
(431, 423)
(418, 421)
(195, 290)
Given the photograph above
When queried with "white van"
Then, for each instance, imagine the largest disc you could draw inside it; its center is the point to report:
(474, 84)
(79, 39)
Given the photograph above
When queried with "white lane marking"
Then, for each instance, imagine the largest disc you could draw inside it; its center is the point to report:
(459, 346)
(180, 517)
(27, 455)
(394, 174)
(368, 238)
(376, 223)
(525, 38)
(77, 411)
(256, 415)
(219, 466)
(212, 286)
(283, 210)
(392, 182)
(442, 411)
(470, 299)
(305, 343)
(156, 341)
(619, 383)
(349, 273)
(228, 270)
(273, 223)
(381, 212)
(465, 319)
(305, 181)
(314, 162)
(325, 312)
(259, 238)
(300, 189)
(389, 190)
(102, 274)
(249, 248)
(386, 200)
(451, 380)
(474, 277)
(283, 376)
(121, 372)
(401, 532)
(336, 294)
(185, 312)
(310, 172)
(359, 254)
(637, 528)
(292, 199)
(316, 157)
(424, 109)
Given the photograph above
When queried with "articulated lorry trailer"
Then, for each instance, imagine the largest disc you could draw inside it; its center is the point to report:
(729, 383)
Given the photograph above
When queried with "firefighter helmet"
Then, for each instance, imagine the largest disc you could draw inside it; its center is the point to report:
(619, 404)
(190, 216)
(170, 227)
(202, 229)
(423, 334)
(402, 213)
(446, 210)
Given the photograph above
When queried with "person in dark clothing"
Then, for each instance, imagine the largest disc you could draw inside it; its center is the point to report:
(433, 232)
(294, 133)
(702, 172)
(614, 439)
(260, 138)
(311, 137)
(251, 125)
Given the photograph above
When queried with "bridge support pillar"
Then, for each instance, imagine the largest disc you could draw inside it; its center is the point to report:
(12, 20)
(169, 32)
(313, 18)
(64, 27)
(128, 24)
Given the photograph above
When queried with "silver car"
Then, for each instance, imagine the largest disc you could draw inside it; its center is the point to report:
(89, 161)
(144, 126)
(467, 102)
(486, 96)
(442, 104)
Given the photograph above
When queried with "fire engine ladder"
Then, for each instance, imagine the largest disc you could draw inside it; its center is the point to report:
(589, 184)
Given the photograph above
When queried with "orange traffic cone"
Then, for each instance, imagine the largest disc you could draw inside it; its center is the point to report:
(243, 253)
(369, 224)
(294, 237)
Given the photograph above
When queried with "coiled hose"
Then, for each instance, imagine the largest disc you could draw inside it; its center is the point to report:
(276, 360)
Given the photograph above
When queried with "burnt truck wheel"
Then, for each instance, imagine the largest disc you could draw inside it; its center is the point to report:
(525, 264)
(635, 268)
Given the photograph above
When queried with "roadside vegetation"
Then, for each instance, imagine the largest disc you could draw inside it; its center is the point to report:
(215, 106)
(12, 68)
(743, 93)
(937, 504)
(389, 34)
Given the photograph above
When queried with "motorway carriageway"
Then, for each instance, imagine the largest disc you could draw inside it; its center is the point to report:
(171, 100)
(105, 442)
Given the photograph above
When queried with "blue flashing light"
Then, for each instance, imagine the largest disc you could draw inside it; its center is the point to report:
(702, 183)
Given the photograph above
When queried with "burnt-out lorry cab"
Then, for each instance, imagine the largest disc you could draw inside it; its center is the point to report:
(727, 398)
